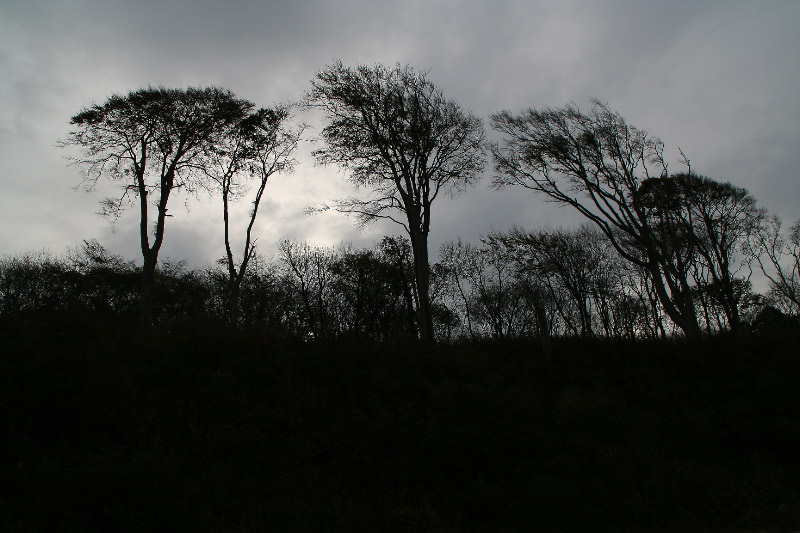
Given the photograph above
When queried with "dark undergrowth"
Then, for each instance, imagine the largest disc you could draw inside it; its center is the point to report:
(198, 428)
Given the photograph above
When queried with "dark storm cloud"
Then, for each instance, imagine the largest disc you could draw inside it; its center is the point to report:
(714, 78)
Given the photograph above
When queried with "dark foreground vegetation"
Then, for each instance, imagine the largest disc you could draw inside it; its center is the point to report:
(196, 427)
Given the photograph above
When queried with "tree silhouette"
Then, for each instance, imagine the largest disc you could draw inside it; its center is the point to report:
(151, 141)
(484, 286)
(256, 147)
(567, 260)
(778, 256)
(710, 221)
(311, 279)
(398, 137)
(595, 163)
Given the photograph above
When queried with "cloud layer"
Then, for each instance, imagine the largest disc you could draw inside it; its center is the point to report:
(717, 79)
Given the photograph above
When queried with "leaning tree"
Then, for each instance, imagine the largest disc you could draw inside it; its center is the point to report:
(595, 163)
(712, 220)
(150, 141)
(402, 141)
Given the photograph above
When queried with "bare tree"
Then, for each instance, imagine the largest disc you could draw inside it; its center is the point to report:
(256, 147)
(595, 163)
(778, 256)
(309, 272)
(569, 259)
(151, 141)
(486, 291)
(403, 141)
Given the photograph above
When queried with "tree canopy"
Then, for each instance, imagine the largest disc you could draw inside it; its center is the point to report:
(670, 251)
(616, 176)
(399, 138)
(259, 145)
(151, 141)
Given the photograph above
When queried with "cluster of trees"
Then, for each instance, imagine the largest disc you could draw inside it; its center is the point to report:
(687, 231)
(517, 284)
(307, 291)
(571, 283)
(155, 141)
(662, 250)
(391, 128)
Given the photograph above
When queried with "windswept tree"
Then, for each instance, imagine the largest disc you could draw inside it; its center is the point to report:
(595, 162)
(256, 147)
(401, 140)
(151, 141)
(710, 221)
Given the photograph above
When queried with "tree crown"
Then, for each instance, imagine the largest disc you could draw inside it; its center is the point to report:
(396, 134)
(153, 130)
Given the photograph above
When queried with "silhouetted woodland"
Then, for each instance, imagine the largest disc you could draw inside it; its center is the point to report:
(195, 426)
(622, 375)
(321, 410)
(663, 253)
(518, 284)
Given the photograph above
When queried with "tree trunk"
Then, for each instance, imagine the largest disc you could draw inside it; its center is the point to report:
(150, 253)
(424, 314)
(419, 247)
(691, 326)
(408, 297)
(148, 286)
(233, 309)
(586, 319)
(734, 320)
(681, 309)
(544, 332)
(731, 304)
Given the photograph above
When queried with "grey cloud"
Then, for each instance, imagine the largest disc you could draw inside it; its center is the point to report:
(717, 79)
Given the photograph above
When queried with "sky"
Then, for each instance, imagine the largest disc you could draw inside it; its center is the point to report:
(717, 79)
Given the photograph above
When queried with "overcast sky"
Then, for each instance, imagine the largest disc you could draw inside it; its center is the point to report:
(718, 79)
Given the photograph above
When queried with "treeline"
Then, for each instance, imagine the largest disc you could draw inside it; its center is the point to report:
(308, 292)
(536, 285)
(666, 252)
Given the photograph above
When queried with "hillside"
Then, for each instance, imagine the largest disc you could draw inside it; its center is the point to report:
(201, 428)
